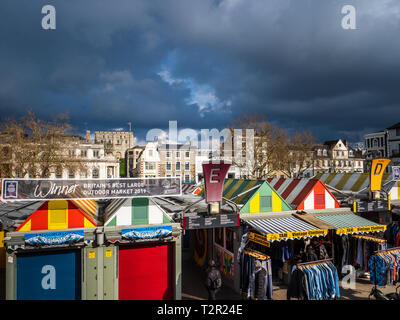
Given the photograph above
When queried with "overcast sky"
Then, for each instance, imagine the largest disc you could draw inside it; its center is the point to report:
(204, 63)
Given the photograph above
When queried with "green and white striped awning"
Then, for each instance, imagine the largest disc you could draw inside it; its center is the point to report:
(285, 228)
(348, 222)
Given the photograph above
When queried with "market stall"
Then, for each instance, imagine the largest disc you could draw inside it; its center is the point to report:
(350, 249)
(304, 194)
(283, 238)
(47, 265)
(146, 251)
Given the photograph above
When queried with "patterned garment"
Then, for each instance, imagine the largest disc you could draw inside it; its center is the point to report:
(378, 267)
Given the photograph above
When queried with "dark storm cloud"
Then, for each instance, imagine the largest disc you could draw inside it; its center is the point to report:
(204, 63)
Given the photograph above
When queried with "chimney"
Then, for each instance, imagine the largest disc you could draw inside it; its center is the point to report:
(346, 143)
(88, 135)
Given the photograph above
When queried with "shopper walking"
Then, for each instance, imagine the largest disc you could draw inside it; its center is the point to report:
(213, 280)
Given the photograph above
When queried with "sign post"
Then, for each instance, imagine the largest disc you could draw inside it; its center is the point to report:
(214, 176)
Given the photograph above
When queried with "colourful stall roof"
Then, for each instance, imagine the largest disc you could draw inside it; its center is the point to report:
(304, 193)
(357, 182)
(60, 214)
(135, 211)
(254, 196)
(191, 188)
(348, 222)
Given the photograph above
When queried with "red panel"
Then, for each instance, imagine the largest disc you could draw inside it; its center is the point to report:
(279, 183)
(40, 218)
(303, 194)
(269, 180)
(290, 188)
(319, 196)
(146, 272)
(75, 218)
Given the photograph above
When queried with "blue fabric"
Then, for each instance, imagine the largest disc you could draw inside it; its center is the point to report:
(322, 281)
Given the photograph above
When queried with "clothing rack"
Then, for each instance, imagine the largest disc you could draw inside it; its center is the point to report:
(304, 264)
(391, 249)
(369, 238)
(382, 251)
(256, 254)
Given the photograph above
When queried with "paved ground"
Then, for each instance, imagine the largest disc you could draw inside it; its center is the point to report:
(193, 286)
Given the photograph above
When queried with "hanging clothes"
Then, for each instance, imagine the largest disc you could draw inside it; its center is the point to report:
(384, 267)
(315, 281)
(248, 275)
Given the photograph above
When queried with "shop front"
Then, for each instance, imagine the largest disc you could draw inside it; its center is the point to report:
(355, 238)
(47, 265)
(147, 260)
(280, 241)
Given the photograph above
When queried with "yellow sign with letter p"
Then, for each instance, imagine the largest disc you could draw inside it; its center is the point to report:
(378, 167)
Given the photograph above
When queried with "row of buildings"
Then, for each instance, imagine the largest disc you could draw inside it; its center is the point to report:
(107, 152)
(167, 160)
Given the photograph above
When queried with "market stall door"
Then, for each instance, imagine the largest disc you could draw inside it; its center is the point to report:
(49, 276)
(146, 272)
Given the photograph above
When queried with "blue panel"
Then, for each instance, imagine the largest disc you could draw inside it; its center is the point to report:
(49, 276)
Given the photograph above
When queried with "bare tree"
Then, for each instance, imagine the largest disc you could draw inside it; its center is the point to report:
(264, 150)
(35, 147)
(297, 155)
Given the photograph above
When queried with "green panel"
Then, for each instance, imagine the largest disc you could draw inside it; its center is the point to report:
(330, 178)
(91, 273)
(318, 175)
(265, 203)
(267, 190)
(227, 189)
(245, 198)
(122, 172)
(343, 181)
(140, 211)
(245, 208)
(360, 181)
(113, 222)
(166, 219)
(109, 254)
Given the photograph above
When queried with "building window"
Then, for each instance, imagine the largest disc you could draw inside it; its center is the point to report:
(324, 152)
(178, 166)
(187, 177)
(149, 165)
(95, 173)
(319, 152)
(83, 174)
(71, 174)
(187, 166)
(178, 154)
(177, 176)
(168, 154)
(398, 132)
(187, 154)
(168, 166)
(58, 173)
(96, 153)
(84, 153)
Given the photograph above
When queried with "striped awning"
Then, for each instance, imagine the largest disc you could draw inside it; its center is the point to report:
(348, 222)
(285, 228)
